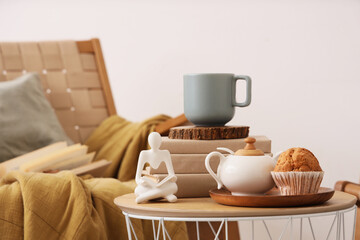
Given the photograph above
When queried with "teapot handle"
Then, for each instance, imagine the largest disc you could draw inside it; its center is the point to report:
(208, 168)
(226, 150)
(275, 158)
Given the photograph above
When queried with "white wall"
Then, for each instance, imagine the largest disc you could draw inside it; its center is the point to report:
(303, 57)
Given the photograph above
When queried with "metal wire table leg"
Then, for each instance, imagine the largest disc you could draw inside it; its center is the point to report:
(127, 219)
(339, 218)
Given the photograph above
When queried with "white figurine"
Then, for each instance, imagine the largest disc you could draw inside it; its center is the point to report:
(147, 188)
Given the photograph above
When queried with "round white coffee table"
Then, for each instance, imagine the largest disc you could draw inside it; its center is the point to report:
(206, 210)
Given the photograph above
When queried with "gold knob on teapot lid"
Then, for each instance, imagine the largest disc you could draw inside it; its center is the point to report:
(249, 149)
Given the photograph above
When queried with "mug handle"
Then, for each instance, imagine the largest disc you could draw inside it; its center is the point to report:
(248, 90)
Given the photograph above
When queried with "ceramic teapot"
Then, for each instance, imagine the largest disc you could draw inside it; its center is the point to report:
(245, 172)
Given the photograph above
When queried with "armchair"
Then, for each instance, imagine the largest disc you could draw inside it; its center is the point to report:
(75, 81)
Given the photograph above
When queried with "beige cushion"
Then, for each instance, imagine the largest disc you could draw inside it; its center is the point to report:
(27, 121)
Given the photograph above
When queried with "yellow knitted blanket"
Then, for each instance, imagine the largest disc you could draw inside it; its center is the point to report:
(64, 206)
(121, 141)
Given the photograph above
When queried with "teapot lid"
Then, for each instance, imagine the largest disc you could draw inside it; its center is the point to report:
(249, 149)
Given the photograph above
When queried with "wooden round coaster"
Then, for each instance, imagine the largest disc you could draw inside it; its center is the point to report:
(209, 133)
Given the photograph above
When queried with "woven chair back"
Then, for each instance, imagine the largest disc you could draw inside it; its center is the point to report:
(73, 76)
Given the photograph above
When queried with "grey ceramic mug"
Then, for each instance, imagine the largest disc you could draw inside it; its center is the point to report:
(210, 98)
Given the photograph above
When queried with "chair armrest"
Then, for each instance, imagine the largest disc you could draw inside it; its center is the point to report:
(163, 128)
(349, 187)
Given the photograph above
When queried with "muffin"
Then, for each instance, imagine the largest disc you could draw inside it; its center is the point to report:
(297, 172)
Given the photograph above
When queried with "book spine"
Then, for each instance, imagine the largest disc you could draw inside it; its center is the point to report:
(187, 163)
(192, 185)
(176, 146)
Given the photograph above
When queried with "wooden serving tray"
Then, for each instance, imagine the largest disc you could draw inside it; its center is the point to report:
(271, 198)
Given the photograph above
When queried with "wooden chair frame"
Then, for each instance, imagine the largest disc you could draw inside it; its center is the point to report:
(93, 46)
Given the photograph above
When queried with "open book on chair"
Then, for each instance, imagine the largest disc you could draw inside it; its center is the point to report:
(57, 157)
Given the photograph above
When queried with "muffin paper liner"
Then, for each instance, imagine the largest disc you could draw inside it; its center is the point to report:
(297, 183)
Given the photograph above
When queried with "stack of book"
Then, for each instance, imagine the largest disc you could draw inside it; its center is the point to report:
(57, 157)
(188, 159)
